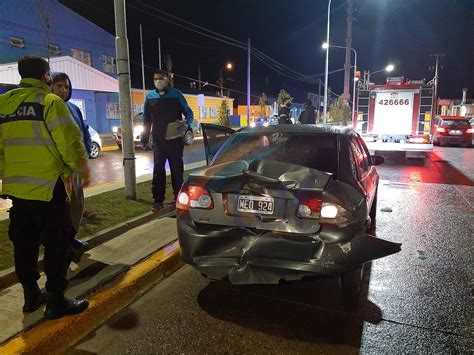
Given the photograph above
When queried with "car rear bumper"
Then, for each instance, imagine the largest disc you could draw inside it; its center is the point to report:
(455, 139)
(398, 147)
(246, 257)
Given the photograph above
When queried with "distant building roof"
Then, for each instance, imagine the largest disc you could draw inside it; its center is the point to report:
(83, 76)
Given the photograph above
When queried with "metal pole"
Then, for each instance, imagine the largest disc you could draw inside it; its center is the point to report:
(159, 52)
(325, 109)
(143, 64)
(319, 100)
(123, 73)
(347, 64)
(248, 82)
(199, 77)
(222, 79)
(354, 120)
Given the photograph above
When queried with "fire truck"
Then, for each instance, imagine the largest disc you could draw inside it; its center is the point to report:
(395, 116)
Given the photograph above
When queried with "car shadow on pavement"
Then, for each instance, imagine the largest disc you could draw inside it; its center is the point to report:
(310, 310)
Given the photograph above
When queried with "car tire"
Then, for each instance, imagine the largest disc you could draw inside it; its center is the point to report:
(95, 150)
(188, 138)
(351, 282)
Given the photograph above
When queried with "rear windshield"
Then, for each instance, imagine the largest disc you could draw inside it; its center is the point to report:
(313, 151)
(455, 123)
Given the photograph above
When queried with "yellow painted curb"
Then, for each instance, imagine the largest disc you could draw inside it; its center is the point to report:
(56, 336)
(109, 148)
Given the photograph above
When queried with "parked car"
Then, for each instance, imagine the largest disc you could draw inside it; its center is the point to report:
(453, 130)
(96, 143)
(264, 121)
(188, 136)
(281, 203)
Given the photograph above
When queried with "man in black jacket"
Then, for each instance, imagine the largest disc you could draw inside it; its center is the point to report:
(163, 119)
(308, 116)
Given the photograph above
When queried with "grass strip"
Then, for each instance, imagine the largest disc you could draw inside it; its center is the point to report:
(101, 211)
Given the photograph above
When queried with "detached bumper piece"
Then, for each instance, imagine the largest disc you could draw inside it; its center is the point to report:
(247, 258)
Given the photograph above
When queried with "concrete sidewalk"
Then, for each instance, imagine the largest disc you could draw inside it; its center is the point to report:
(97, 267)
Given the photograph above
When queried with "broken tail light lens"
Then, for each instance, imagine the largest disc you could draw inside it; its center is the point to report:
(194, 197)
(309, 208)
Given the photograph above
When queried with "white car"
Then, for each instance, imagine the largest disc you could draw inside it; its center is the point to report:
(96, 143)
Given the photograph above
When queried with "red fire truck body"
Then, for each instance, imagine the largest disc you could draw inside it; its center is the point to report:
(396, 116)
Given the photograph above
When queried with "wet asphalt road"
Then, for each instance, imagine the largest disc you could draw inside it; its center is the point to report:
(416, 301)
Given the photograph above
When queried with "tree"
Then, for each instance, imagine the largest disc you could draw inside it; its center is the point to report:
(262, 102)
(223, 114)
(340, 113)
(283, 97)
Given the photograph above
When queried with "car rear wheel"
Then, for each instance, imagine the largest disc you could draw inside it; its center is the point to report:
(351, 282)
(95, 150)
(188, 138)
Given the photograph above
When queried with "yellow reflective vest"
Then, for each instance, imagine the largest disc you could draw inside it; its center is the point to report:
(39, 142)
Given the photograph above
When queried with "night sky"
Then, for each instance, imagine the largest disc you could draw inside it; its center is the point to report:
(402, 32)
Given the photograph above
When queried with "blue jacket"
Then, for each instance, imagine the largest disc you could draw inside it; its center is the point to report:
(159, 110)
(76, 113)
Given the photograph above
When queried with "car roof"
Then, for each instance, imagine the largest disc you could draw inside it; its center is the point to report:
(301, 128)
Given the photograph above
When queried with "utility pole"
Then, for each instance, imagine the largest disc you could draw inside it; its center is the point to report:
(248, 82)
(326, 71)
(199, 77)
(319, 99)
(123, 73)
(347, 65)
(159, 53)
(143, 64)
(438, 57)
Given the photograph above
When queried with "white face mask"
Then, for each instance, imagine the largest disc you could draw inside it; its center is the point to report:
(160, 84)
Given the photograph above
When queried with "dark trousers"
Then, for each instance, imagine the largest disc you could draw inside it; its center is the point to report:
(172, 151)
(33, 223)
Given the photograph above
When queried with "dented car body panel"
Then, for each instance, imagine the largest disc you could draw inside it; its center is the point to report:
(272, 218)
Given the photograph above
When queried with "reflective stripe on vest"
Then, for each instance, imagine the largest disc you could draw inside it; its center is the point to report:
(18, 142)
(30, 180)
(59, 121)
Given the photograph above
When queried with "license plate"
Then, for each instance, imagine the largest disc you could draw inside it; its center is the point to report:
(255, 204)
(455, 132)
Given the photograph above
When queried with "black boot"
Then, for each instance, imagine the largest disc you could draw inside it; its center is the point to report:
(58, 306)
(34, 297)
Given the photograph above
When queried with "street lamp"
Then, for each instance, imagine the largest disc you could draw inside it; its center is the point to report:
(228, 66)
(326, 72)
(326, 46)
(388, 69)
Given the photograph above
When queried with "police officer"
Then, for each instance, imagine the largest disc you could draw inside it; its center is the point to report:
(40, 147)
(164, 109)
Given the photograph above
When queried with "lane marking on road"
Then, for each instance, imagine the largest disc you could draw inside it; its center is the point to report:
(56, 336)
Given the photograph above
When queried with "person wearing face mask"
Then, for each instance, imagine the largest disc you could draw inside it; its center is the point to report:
(163, 119)
(40, 147)
(61, 86)
(284, 113)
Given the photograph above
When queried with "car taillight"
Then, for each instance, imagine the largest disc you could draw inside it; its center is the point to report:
(419, 139)
(194, 197)
(309, 208)
(470, 130)
(441, 129)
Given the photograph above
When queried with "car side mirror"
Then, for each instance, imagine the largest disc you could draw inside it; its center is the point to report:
(377, 159)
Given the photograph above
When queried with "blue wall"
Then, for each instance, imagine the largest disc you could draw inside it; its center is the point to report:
(28, 18)
(104, 125)
(90, 105)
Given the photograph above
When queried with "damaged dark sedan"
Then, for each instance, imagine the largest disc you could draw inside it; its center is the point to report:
(281, 203)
